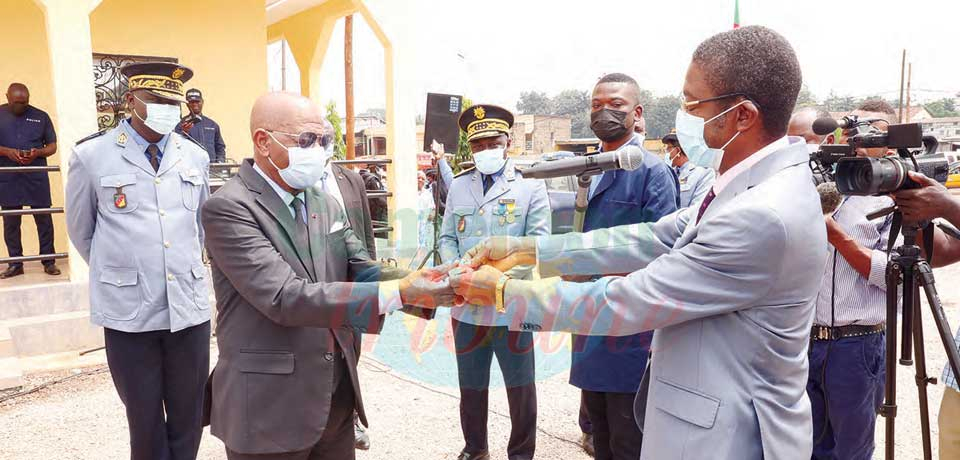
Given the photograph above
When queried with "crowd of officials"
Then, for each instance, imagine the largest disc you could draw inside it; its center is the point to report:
(294, 271)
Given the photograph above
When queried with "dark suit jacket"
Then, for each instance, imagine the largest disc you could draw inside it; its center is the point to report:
(645, 194)
(283, 309)
(358, 206)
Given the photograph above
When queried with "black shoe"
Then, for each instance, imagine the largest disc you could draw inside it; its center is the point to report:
(51, 269)
(10, 272)
(586, 443)
(478, 456)
(361, 440)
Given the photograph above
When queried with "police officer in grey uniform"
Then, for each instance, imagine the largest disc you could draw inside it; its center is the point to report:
(492, 199)
(133, 194)
(695, 181)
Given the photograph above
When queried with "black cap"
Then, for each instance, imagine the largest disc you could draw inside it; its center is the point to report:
(163, 79)
(194, 94)
(670, 138)
(485, 120)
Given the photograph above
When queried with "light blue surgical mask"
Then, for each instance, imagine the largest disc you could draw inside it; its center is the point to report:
(690, 135)
(305, 165)
(490, 161)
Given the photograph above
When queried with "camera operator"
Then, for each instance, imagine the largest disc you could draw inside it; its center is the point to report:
(923, 204)
(846, 376)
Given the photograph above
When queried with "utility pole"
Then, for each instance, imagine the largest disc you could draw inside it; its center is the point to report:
(909, 77)
(903, 65)
(348, 83)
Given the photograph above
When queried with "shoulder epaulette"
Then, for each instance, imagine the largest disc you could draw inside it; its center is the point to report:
(464, 172)
(92, 136)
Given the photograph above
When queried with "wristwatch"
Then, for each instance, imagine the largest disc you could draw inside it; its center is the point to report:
(501, 285)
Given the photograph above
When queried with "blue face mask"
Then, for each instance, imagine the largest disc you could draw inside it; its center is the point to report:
(690, 135)
(489, 161)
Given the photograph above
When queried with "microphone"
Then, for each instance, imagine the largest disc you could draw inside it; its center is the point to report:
(830, 197)
(628, 157)
(824, 126)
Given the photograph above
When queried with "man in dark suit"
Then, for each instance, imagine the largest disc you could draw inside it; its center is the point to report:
(608, 369)
(293, 285)
(347, 188)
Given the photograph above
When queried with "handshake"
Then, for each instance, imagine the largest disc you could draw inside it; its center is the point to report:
(474, 279)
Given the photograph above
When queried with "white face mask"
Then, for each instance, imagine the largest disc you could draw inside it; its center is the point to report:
(690, 135)
(490, 161)
(161, 118)
(305, 165)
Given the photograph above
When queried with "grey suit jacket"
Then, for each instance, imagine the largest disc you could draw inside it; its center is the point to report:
(731, 299)
(283, 310)
(357, 206)
(139, 231)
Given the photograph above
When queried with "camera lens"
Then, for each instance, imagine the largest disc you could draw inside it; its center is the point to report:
(869, 176)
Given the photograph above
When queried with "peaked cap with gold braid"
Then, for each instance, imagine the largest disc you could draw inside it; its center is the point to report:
(163, 79)
(485, 120)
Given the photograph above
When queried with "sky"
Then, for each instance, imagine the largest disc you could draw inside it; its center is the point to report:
(493, 50)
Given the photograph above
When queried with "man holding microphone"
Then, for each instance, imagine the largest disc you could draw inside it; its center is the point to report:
(732, 319)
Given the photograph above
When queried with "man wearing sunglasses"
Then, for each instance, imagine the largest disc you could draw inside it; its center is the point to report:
(729, 284)
(294, 286)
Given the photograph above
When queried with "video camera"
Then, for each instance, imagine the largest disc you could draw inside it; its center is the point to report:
(876, 176)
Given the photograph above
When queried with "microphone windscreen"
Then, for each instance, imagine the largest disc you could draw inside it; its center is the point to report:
(630, 157)
(830, 197)
(824, 126)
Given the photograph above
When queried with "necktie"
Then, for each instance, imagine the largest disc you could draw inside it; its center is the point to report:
(301, 235)
(300, 212)
(323, 183)
(154, 155)
(487, 183)
(706, 202)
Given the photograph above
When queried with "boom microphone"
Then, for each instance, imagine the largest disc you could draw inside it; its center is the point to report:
(628, 157)
(824, 126)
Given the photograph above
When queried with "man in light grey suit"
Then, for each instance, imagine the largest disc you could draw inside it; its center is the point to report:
(293, 284)
(728, 283)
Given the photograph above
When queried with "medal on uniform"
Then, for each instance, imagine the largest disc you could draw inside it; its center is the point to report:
(462, 224)
(511, 206)
(120, 198)
(503, 221)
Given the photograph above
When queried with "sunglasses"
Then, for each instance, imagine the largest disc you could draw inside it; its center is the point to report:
(307, 139)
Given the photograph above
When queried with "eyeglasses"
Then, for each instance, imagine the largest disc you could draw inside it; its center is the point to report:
(687, 105)
(307, 139)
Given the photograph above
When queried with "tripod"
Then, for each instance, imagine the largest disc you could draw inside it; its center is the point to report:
(908, 268)
(435, 191)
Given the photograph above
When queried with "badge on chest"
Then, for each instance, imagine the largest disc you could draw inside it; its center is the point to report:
(120, 198)
(506, 210)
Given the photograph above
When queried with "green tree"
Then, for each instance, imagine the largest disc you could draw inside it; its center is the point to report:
(806, 98)
(661, 115)
(340, 145)
(576, 105)
(463, 152)
(534, 102)
(835, 103)
(942, 108)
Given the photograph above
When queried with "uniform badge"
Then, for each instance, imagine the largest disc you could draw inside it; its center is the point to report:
(120, 198)
(462, 224)
(177, 73)
(479, 113)
(503, 220)
(122, 139)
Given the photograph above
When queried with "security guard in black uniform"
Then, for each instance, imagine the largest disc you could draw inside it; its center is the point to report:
(202, 128)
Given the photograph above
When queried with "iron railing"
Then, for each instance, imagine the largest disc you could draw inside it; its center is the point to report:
(30, 212)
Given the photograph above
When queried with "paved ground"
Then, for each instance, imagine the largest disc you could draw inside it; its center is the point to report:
(82, 418)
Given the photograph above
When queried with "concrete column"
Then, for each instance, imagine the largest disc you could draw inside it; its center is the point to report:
(71, 56)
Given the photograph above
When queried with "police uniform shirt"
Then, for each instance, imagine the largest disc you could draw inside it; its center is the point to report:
(207, 133)
(32, 130)
(695, 181)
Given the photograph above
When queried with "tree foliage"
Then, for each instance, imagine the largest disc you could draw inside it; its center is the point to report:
(945, 107)
(340, 145)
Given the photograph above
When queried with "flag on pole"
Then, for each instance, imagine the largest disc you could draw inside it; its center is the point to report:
(736, 14)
